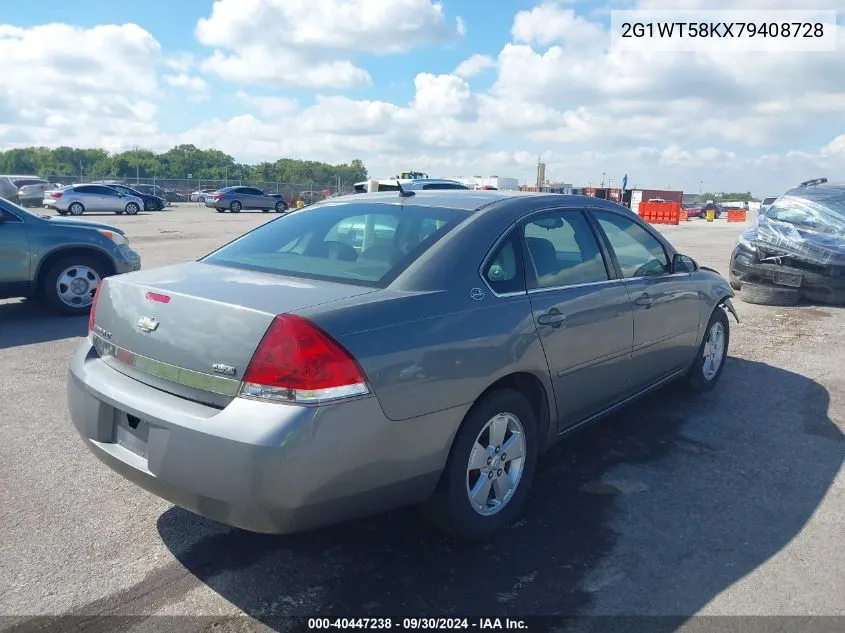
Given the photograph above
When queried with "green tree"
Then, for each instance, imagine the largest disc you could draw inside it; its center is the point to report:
(175, 163)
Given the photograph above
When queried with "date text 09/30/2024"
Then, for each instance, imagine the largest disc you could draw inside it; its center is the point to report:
(412, 624)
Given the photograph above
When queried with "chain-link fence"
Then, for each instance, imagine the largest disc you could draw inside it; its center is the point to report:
(193, 189)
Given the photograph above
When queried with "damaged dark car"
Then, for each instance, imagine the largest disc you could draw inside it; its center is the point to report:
(796, 250)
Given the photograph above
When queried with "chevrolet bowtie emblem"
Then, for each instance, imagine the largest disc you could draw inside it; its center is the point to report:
(147, 324)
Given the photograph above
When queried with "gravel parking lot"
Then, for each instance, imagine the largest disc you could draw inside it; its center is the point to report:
(731, 503)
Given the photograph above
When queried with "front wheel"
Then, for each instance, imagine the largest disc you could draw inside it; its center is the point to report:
(68, 286)
(712, 353)
(490, 467)
(132, 209)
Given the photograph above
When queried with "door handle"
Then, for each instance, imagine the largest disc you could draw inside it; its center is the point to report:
(555, 319)
(644, 300)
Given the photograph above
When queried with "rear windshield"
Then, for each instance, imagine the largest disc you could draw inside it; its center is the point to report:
(346, 242)
(768, 200)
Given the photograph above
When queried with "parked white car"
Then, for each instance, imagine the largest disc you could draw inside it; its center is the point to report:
(77, 199)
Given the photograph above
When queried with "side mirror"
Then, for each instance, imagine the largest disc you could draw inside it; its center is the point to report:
(683, 264)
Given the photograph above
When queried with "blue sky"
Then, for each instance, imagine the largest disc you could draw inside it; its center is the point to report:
(384, 88)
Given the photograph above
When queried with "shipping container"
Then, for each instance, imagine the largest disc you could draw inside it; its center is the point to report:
(644, 195)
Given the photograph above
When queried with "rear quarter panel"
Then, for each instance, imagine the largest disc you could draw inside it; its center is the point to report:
(428, 352)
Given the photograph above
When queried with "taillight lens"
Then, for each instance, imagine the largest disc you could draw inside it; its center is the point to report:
(56, 194)
(299, 363)
(217, 196)
(92, 316)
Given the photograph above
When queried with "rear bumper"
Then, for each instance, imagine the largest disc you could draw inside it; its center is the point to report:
(263, 467)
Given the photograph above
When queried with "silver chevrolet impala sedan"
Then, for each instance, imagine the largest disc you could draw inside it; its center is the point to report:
(389, 349)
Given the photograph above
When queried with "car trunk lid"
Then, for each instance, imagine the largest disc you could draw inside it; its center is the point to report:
(191, 329)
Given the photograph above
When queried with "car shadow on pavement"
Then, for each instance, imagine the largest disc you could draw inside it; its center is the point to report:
(27, 322)
(653, 511)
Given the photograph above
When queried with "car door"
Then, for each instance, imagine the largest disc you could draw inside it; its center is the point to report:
(665, 304)
(110, 199)
(257, 199)
(582, 312)
(15, 256)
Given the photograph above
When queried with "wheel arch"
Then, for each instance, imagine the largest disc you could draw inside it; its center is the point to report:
(535, 392)
(60, 253)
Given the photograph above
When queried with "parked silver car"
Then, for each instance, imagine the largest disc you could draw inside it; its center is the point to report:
(299, 376)
(77, 199)
(236, 198)
(11, 184)
(32, 195)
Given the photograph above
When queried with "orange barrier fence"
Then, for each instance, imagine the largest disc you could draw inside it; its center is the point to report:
(737, 215)
(683, 216)
(660, 212)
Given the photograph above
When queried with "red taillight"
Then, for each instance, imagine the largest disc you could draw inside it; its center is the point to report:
(298, 362)
(216, 196)
(154, 296)
(93, 314)
(55, 194)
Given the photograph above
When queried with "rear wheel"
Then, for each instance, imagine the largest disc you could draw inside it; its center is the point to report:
(235, 207)
(712, 353)
(769, 295)
(76, 208)
(490, 467)
(68, 286)
(281, 207)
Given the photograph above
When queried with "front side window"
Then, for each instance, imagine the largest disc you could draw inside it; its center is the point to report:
(366, 244)
(563, 250)
(639, 253)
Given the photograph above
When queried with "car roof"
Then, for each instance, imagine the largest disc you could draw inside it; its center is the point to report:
(817, 191)
(465, 199)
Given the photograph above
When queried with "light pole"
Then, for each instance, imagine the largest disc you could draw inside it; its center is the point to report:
(602, 178)
(137, 165)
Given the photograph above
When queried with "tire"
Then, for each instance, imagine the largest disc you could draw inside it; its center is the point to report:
(281, 207)
(132, 208)
(702, 376)
(769, 295)
(235, 207)
(450, 508)
(61, 270)
(76, 208)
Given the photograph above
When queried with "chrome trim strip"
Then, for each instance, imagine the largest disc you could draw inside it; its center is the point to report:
(535, 291)
(117, 357)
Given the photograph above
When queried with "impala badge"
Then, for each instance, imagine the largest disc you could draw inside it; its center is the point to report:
(219, 368)
(147, 324)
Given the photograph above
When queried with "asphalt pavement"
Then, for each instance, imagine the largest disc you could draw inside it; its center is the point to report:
(732, 503)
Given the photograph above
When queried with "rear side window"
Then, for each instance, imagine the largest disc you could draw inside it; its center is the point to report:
(365, 244)
(504, 272)
(443, 185)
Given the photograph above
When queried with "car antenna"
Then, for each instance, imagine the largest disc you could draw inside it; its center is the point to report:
(402, 192)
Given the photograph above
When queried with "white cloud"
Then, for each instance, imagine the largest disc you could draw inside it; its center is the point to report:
(474, 65)
(269, 106)
(195, 86)
(307, 43)
(66, 85)
(757, 121)
(181, 62)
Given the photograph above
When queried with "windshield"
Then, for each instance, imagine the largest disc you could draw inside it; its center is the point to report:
(346, 242)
